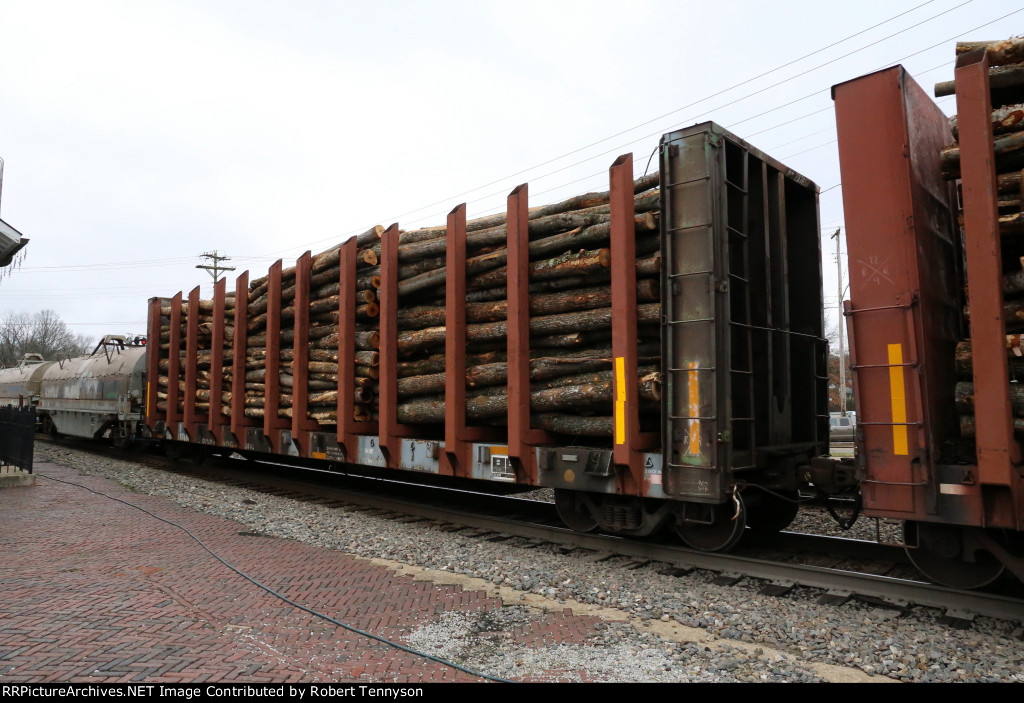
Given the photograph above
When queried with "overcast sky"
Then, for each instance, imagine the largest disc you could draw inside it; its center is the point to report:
(138, 135)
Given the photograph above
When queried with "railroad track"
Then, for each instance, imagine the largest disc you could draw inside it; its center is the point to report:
(843, 569)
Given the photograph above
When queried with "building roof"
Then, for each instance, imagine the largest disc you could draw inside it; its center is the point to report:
(10, 242)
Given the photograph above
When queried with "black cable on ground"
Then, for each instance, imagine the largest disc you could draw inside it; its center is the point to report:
(287, 600)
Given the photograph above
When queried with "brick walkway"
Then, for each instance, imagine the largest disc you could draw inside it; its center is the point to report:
(92, 590)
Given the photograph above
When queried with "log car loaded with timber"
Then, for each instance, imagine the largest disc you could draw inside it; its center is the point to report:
(654, 353)
(934, 312)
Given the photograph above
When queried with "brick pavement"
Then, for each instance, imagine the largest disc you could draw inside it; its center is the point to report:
(92, 590)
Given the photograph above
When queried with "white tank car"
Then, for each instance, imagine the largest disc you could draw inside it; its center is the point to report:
(99, 395)
(19, 385)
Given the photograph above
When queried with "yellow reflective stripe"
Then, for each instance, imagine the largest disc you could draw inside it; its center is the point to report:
(620, 400)
(693, 388)
(898, 393)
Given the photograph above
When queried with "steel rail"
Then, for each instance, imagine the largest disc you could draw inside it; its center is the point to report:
(898, 592)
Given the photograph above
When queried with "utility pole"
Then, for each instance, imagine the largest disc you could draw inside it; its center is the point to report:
(842, 350)
(215, 270)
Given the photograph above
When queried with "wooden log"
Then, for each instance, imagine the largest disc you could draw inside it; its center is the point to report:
(575, 398)
(1013, 312)
(368, 340)
(205, 306)
(574, 340)
(574, 239)
(498, 236)
(567, 371)
(287, 381)
(964, 359)
(367, 358)
(1006, 118)
(368, 311)
(1011, 225)
(598, 426)
(968, 426)
(422, 316)
(324, 260)
(541, 370)
(1000, 53)
(573, 322)
(568, 264)
(1005, 146)
(647, 373)
(579, 202)
(437, 363)
(316, 307)
(368, 371)
(330, 258)
(368, 279)
(964, 396)
(998, 77)
(366, 257)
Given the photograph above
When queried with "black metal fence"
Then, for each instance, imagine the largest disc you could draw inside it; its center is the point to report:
(17, 436)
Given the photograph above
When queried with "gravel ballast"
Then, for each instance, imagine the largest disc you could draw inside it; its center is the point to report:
(658, 628)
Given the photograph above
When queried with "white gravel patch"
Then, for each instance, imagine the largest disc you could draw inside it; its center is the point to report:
(736, 633)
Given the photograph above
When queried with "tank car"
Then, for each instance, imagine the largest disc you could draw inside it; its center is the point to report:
(19, 385)
(98, 395)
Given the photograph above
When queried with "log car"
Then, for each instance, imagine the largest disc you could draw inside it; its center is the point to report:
(939, 427)
(716, 436)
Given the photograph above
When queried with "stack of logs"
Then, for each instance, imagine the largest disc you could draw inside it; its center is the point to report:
(570, 323)
(1006, 79)
(203, 371)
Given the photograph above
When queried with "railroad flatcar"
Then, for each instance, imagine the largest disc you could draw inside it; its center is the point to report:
(932, 287)
(708, 441)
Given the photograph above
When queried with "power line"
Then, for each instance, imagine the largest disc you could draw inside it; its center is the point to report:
(215, 270)
(650, 121)
(697, 102)
(730, 126)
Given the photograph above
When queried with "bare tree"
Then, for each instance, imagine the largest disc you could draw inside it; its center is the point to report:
(42, 333)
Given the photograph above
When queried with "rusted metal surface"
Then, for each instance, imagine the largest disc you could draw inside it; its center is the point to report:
(272, 424)
(238, 419)
(996, 446)
(348, 428)
(458, 436)
(391, 431)
(521, 438)
(153, 362)
(191, 417)
(301, 424)
(456, 451)
(215, 423)
(173, 365)
(628, 441)
(998, 452)
(903, 314)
